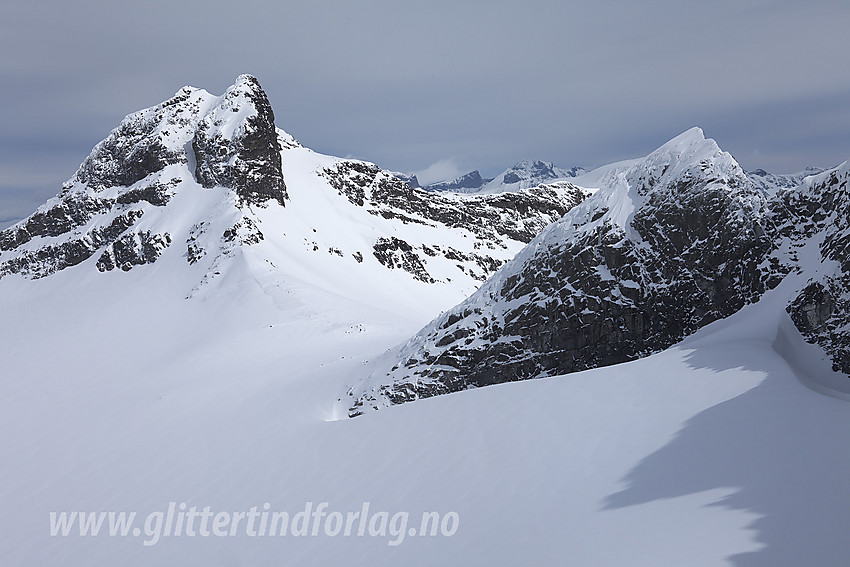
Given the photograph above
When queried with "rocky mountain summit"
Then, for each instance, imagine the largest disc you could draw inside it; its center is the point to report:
(230, 141)
(668, 244)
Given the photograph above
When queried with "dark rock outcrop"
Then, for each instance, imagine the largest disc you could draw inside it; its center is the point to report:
(247, 159)
(396, 253)
(53, 257)
(135, 249)
(70, 213)
(519, 215)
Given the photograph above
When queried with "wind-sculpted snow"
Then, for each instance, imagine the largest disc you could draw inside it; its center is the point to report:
(667, 245)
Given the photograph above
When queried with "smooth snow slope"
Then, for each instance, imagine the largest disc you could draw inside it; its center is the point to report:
(118, 394)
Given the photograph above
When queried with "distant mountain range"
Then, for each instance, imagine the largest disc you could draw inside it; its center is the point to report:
(523, 175)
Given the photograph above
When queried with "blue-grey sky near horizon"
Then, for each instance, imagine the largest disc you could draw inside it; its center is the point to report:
(439, 87)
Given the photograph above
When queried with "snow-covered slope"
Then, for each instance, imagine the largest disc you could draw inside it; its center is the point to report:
(667, 245)
(120, 395)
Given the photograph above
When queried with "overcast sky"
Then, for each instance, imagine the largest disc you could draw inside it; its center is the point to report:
(442, 86)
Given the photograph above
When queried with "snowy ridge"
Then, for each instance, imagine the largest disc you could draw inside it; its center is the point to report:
(668, 244)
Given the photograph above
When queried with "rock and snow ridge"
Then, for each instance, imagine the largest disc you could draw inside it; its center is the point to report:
(668, 244)
(210, 178)
(525, 174)
(772, 182)
(528, 173)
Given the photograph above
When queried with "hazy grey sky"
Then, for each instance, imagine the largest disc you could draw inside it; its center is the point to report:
(461, 84)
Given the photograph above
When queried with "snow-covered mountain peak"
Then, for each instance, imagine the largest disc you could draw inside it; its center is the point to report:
(228, 140)
(692, 138)
(196, 183)
(687, 168)
(667, 244)
(688, 159)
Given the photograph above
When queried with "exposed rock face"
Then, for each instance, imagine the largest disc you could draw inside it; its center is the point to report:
(246, 159)
(45, 260)
(518, 215)
(133, 250)
(70, 213)
(395, 253)
(814, 223)
(134, 150)
(670, 244)
(157, 194)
